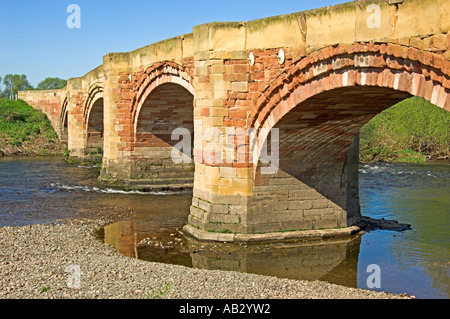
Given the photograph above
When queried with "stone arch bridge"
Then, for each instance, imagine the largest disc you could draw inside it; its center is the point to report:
(305, 83)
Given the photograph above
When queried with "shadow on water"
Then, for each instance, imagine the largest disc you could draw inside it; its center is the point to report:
(415, 261)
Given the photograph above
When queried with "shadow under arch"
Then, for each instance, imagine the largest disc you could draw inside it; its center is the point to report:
(64, 122)
(95, 127)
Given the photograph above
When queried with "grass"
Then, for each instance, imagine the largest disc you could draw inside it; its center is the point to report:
(410, 131)
(159, 292)
(45, 289)
(19, 123)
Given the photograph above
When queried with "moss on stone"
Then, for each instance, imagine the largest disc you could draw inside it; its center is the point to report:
(256, 25)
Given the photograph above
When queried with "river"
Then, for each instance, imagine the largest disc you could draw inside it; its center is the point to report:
(415, 261)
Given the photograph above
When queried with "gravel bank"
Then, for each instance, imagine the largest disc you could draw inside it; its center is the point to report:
(35, 260)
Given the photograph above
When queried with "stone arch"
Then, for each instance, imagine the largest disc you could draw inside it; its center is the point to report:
(393, 67)
(156, 75)
(318, 106)
(95, 92)
(163, 101)
(93, 117)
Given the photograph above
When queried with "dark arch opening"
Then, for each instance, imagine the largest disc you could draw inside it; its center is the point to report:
(95, 128)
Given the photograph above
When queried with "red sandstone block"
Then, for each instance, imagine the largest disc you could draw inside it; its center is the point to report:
(415, 84)
(244, 104)
(413, 54)
(427, 58)
(352, 77)
(405, 82)
(242, 96)
(447, 102)
(442, 96)
(421, 87)
(266, 53)
(436, 77)
(438, 61)
(241, 68)
(242, 165)
(446, 83)
(253, 87)
(401, 50)
(231, 103)
(228, 77)
(388, 79)
(383, 48)
(205, 111)
(240, 123)
(446, 67)
(203, 79)
(228, 122)
(238, 114)
(240, 77)
(428, 90)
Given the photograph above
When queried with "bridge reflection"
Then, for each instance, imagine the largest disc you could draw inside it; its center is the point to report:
(331, 260)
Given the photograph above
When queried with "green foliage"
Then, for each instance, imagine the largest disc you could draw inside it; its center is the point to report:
(66, 153)
(51, 84)
(408, 131)
(159, 292)
(19, 122)
(45, 289)
(13, 83)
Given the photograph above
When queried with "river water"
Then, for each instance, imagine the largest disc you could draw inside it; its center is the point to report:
(415, 261)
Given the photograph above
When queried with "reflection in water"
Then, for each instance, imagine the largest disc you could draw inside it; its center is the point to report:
(334, 259)
(417, 261)
(319, 260)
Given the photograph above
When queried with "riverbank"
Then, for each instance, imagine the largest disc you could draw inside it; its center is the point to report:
(38, 146)
(37, 261)
(412, 131)
(25, 131)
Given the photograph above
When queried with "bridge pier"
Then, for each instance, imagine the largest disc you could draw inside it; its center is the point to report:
(280, 206)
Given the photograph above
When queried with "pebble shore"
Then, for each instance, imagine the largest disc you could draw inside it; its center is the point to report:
(45, 261)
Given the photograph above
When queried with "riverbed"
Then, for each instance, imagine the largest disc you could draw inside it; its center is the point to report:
(416, 261)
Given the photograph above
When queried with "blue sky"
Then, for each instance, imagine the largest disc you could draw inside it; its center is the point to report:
(35, 39)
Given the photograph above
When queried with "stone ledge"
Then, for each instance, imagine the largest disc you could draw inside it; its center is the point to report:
(278, 236)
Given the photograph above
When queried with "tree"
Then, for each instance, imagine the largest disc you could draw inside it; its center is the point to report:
(13, 83)
(51, 84)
